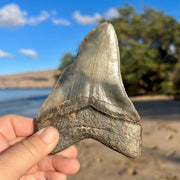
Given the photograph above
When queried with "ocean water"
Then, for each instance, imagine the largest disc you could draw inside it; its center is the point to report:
(25, 102)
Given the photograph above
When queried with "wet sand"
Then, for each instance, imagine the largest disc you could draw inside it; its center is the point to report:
(160, 160)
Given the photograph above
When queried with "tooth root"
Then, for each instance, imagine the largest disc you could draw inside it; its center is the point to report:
(89, 99)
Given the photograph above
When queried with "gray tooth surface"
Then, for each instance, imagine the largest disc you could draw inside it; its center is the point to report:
(89, 99)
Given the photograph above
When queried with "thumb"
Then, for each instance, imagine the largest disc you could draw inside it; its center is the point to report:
(18, 159)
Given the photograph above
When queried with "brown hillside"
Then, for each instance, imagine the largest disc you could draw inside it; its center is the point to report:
(40, 79)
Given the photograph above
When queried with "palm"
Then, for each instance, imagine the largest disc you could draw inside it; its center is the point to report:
(53, 167)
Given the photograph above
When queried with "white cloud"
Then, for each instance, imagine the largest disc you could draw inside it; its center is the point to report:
(5, 54)
(64, 22)
(44, 15)
(86, 19)
(12, 16)
(111, 13)
(28, 52)
(54, 12)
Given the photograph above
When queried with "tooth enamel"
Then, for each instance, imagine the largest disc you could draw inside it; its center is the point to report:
(91, 89)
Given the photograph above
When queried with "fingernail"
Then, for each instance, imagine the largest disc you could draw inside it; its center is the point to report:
(47, 134)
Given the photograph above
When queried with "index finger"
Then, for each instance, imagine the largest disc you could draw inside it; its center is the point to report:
(12, 126)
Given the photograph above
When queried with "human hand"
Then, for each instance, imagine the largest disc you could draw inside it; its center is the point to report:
(24, 155)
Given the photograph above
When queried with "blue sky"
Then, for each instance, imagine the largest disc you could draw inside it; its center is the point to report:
(34, 34)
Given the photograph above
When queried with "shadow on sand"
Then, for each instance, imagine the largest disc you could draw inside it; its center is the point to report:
(159, 110)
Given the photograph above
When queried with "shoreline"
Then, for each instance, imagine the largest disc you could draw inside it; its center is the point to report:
(138, 98)
(151, 98)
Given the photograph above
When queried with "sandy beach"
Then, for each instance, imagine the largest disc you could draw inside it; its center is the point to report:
(160, 160)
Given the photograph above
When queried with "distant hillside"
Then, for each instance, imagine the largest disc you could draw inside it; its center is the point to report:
(40, 79)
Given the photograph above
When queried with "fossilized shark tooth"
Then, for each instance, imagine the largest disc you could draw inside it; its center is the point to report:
(89, 99)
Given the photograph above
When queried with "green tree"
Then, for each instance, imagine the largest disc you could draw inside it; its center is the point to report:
(149, 45)
(66, 60)
(176, 80)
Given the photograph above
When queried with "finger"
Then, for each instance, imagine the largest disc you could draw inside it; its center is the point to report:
(48, 175)
(3, 143)
(70, 152)
(52, 175)
(16, 140)
(18, 159)
(57, 163)
(12, 126)
(46, 163)
(65, 165)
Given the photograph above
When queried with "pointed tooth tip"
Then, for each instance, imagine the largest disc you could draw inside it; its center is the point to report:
(104, 28)
(101, 28)
(105, 24)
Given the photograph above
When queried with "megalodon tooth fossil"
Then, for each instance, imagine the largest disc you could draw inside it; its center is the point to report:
(89, 99)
